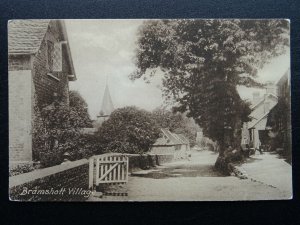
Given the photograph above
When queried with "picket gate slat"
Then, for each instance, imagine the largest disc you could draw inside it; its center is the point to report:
(105, 167)
(114, 171)
(97, 170)
(127, 168)
(109, 165)
(100, 167)
(119, 169)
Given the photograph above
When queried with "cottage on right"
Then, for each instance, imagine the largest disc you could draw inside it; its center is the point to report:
(279, 120)
(270, 125)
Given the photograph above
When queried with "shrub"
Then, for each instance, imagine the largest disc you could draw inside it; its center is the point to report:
(87, 146)
(19, 169)
(128, 130)
(56, 131)
(77, 102)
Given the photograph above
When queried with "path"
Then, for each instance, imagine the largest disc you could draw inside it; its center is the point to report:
(270, 169)
(194, 180)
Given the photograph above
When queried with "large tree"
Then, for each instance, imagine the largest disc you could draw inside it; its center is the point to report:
(204, 61)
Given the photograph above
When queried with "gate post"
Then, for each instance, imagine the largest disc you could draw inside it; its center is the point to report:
(91, 173)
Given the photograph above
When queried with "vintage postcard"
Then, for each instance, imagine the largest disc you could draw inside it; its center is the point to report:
(149, 110)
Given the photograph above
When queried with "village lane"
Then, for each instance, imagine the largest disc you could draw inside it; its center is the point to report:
(194, 180)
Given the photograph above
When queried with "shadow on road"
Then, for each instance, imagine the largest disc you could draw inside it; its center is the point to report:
(181, 171)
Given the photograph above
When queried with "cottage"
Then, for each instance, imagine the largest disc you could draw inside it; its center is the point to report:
(39, 69)
(170, 143)
(255, 132)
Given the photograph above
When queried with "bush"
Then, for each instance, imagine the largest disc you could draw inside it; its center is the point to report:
(224, 163)
(208, 144)
(56, 131)
(77, 102)
(87, 146)
(19, 169)
(128, 130)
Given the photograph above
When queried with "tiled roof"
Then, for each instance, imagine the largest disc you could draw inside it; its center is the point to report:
(262, 100)
(170, 139)
(25, 36)
(162, 141)
(183, 138)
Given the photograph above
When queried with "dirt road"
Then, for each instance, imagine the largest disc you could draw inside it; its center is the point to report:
(194, 180)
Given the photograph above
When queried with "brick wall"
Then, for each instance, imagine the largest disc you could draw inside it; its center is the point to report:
(59, 181)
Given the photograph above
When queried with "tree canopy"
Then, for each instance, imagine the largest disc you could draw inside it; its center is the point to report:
(128, 130)
(203, 62)
(79, 104)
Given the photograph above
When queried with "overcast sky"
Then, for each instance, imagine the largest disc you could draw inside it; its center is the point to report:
(103, 50)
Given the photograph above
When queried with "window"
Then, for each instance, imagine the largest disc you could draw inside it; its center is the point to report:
(50, 50)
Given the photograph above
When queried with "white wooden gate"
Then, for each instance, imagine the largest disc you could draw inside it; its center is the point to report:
(108, 169)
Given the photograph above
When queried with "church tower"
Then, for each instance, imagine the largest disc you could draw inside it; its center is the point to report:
(107, 107)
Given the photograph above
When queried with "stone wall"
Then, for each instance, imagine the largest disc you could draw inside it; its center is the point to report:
(69, 181)
(65, 182)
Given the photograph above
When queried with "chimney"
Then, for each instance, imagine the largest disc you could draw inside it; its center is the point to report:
(271, 88)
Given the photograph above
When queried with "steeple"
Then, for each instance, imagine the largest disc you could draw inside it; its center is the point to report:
(107, 105)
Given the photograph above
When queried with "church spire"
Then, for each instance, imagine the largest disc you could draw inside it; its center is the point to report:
(107, 105)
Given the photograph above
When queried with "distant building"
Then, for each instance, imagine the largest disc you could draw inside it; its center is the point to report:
(39, 70)
(255, 132)
(107, 108)
(171, 143)
(199, 136)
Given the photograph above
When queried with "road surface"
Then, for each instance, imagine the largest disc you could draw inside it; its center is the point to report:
(194, 180)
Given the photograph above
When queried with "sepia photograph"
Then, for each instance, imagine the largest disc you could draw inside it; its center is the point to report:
(104, 110)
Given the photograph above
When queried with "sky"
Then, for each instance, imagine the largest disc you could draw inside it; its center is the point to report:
(102, 53)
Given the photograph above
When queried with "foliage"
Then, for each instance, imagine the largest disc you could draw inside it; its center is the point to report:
(19, 169)
(56, 131)
(203, 62)
(176, 123)
(77, 102)
(87, 146)
(205, 142)
(128, 130)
